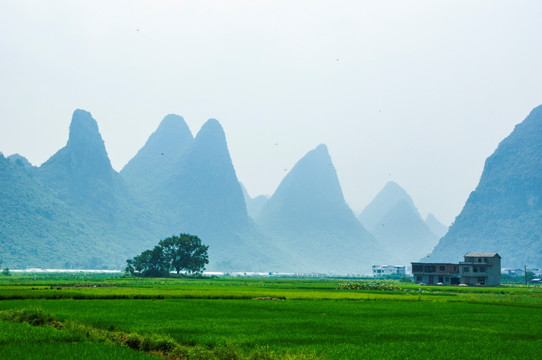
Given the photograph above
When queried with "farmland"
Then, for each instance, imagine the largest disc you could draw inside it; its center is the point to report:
(93, 316)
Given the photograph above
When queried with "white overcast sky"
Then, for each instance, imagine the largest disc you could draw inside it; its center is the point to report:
(419, 92)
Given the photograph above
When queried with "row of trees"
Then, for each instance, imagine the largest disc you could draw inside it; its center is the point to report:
(175, 253)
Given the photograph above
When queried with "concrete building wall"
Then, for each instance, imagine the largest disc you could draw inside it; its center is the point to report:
(481, 269)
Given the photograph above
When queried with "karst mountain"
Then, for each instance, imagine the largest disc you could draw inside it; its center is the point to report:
(76, 211)
(308, 217)
(393, 219)
(504, 213)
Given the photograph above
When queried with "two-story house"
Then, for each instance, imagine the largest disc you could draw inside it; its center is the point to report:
(434, 273)
(481, 269)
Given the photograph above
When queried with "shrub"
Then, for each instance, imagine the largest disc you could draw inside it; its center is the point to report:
(369, 285)
(34, 317)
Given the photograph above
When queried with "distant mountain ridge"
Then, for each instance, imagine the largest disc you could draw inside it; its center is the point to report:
(393, 218)
(76, 211)
(504, 213)
(197, 191)
(308, 217)
(435, 226)
(384, 201)
(162, 151)
(254, 205)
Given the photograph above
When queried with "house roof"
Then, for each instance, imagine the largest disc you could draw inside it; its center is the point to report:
(482, 255)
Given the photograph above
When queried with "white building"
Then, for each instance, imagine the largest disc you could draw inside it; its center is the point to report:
(381, 270)
(513, 272)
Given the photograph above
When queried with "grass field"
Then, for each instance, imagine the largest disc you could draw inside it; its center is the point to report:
(268, 319)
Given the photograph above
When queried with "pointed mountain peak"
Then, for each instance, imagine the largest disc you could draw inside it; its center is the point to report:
(210, 144)
(85, 149)
(85, 142)
(83, 129)
(322, 148)
(207, 184)
(308, 216)
(211, 128)
(175, 125)
(81, 171)
(161, 153)
(170, 138)
(393, 189)
(435, 226)
(383, 202)
(320, 152)
(312, 184)
(317, 162)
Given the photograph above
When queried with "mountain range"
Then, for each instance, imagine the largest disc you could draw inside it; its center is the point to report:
(76, 211)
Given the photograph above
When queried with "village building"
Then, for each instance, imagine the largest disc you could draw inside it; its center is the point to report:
(477, 269)
(481, 269)
(381, 270)
(513, 272)
(436, 273)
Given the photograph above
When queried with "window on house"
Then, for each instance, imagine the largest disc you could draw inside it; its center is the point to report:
(474, 269)
(482, 269)
(441, 279)
(442, 267)
(479, 259)
(466, 269)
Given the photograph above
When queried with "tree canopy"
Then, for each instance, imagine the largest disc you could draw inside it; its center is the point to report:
(184, 252)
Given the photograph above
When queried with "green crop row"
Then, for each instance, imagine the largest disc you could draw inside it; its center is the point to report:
(155, 344)
(329, 329)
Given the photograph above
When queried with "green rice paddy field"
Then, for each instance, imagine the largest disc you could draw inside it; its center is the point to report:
(98, 317)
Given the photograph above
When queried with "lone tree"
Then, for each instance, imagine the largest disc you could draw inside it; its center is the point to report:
(151, 263)
(183, 252)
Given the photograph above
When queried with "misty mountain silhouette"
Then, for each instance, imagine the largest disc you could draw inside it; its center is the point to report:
(435, 225)
(383, 202)
(196, 190)
(81, 171)
(504, 213)
(394, 220)
(161, 153)
(77, 209)
(308, 217)
(254, 205)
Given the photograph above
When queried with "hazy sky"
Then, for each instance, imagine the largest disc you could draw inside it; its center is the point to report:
(419, 92)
